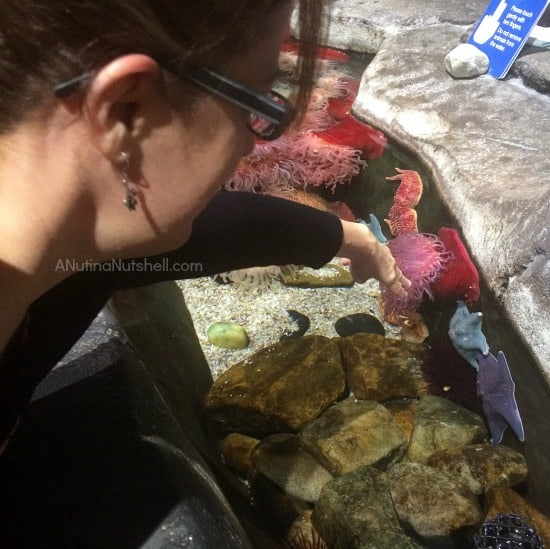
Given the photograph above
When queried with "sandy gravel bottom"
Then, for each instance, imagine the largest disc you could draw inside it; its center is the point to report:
(263, 312)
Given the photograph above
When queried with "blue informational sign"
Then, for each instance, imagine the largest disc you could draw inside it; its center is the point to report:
(504, 29)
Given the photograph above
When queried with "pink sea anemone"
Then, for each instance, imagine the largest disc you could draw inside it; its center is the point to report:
(330, 102)
(314, 161)
(421, 258)
(336, 83)
(318, 119)
(327, 150)
(261, 170)
(299, 161)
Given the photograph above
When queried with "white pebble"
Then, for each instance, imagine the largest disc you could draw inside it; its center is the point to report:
(466, 61)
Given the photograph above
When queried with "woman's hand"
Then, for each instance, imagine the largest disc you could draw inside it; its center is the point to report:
(370, 259)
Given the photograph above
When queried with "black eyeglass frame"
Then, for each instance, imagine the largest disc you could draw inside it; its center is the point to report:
(279, 113)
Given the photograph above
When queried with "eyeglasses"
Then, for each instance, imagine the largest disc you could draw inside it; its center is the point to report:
(268, 115)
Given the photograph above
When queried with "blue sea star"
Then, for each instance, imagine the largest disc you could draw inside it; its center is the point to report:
(466, 335)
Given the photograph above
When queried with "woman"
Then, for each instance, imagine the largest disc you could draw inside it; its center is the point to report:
(119, 122)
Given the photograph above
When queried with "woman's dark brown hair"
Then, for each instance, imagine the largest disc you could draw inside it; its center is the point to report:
(44, 42)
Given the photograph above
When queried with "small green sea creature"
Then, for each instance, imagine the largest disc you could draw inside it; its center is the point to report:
(227, 335)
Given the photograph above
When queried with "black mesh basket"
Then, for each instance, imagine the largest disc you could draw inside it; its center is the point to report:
(507, 532)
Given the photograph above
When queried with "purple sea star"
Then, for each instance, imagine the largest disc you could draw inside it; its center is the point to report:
(496, 388)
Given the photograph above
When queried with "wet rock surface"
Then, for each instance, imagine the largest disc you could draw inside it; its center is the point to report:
(265, 393)
(381, 369)
(329, 275)
(432, 503)
(440, 425)
(353, 433)
(403, 411)
(357, 511)
(236, 451)
(283, 460)
(398, 472)
(482, 467)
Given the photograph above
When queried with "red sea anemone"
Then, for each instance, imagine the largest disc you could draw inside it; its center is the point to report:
(339, 106)
(460, 280)
(322, 53)
(261, 171)
(421, 258)
(350, 132)
(329, 148)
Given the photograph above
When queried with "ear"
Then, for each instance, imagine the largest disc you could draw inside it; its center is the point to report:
(116, 104)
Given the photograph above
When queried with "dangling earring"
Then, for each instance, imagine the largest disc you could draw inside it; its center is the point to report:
(130, 201)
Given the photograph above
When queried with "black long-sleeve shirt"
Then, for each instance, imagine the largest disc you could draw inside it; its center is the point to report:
(235, 230)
